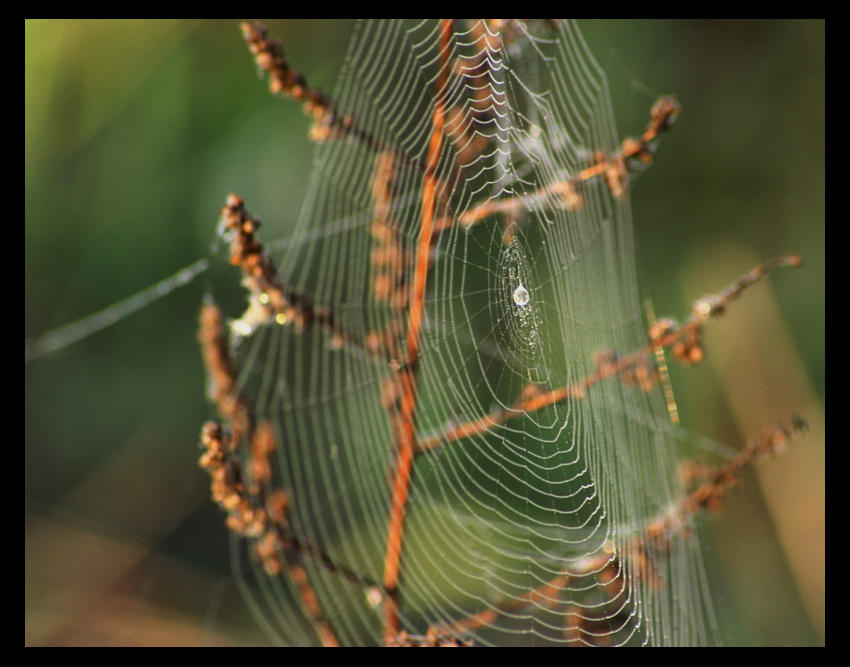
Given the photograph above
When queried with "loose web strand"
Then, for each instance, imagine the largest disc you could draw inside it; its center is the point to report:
(60, 338)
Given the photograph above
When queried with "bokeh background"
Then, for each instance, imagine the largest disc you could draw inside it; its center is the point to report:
(135, 132)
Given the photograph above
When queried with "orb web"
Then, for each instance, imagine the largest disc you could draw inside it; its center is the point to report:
(455, 235)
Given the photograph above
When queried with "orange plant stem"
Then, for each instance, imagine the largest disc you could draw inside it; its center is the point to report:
(405, 432)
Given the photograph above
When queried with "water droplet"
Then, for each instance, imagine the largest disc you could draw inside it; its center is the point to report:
(521, 296)
(374, 596)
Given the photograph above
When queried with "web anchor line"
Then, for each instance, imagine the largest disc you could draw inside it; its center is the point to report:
(67, 335)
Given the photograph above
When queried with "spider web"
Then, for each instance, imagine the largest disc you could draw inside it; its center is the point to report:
(523, 521)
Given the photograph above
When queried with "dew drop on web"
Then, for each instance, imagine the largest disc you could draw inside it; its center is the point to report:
(520, 296)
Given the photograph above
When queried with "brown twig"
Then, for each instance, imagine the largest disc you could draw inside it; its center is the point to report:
(684, 341)
(404, 420)
(236, 487)
(270, 299)
(566, 195)
(287, 81)
(641, 552)
(328, 122)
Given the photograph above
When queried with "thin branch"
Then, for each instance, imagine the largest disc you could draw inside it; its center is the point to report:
(641, 552)
(272, 300)
(614, 168)
(404, 420)
(328, 122)
(236, 487)
(684, 341)
(287, 81)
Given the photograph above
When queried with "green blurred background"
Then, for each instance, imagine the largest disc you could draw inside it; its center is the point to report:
(135, 132)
